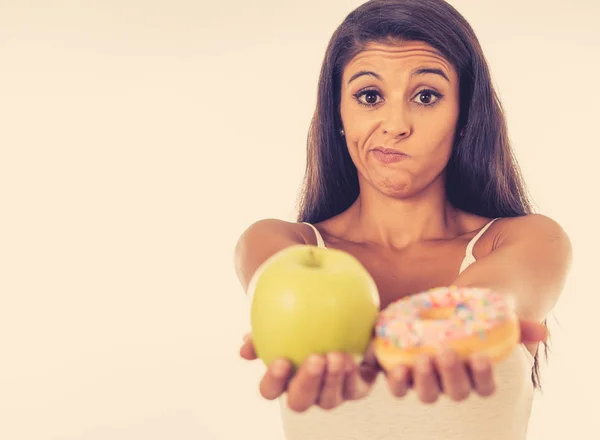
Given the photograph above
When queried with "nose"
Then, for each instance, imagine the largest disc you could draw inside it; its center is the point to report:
(396, 120)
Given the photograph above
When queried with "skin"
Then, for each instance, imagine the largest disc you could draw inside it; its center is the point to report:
(406, 233)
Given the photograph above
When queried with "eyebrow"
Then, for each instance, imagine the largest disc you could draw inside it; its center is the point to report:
(417, 72)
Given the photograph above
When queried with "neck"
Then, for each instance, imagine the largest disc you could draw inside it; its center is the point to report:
(398, 223)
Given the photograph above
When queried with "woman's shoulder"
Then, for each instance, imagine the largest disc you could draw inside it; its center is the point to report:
(495, 233)
(524, 222)
(531, 229)
(262, 239)
(528, 223)
(294, 231)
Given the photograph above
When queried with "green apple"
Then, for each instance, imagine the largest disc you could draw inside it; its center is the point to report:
(306, 299)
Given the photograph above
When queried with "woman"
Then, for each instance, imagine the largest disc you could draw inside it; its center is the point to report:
(409, 168)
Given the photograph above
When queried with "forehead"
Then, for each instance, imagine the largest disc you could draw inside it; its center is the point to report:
(397, 56)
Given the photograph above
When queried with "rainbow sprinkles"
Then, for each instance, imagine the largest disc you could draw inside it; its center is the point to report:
(442, 314)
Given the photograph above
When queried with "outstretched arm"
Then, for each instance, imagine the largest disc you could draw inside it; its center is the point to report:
(258, 242)
(530, 261)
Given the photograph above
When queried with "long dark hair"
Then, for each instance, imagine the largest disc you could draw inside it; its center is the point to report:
(482, 175)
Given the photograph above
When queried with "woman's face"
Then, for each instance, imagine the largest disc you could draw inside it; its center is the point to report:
(399, 109)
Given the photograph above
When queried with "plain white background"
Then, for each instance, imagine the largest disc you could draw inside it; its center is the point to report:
(135, 138)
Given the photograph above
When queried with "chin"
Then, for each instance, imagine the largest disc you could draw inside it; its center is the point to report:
(400, 189)
(398, 185)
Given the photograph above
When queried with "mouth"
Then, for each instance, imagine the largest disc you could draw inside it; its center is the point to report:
(388, 155)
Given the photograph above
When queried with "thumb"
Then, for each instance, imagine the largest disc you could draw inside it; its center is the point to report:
(247, 350)
(369, 367)
(532, 331)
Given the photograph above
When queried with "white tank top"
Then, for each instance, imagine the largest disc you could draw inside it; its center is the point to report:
(381, 416)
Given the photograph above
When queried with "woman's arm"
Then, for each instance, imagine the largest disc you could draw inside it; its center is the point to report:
(530, 261)
(261, 240)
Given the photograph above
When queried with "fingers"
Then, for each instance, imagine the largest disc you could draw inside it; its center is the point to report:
(445, 373)
(332, 392)
(357, 380)
(274, 381)
(453, 375)
(327, 382)
(324, 381)
(247, 349)
(304, 388)
(426, 382)
(369, 359)
(399, 380)
(482, 375)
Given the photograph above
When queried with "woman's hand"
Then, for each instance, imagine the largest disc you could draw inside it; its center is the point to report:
(323, 381)
(446, 373)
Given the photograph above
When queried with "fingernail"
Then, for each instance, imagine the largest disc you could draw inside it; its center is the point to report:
(399, 373)
(315, 365)
(279, 369)
(334, 363)
(446, 356)
(424, 364)
(479, 361)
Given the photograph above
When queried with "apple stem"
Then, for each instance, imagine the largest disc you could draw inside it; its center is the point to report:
(312, 260)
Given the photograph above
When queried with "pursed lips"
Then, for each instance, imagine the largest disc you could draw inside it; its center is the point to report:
(388, 155)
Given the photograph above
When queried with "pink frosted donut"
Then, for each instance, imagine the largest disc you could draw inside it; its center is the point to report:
(466, 319)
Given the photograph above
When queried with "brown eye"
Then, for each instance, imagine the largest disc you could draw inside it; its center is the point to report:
(427, 97)
(368, 98)
(371, 97)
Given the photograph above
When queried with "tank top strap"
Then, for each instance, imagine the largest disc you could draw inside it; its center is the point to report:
(320, 241)
(473, 241)
(469, 257)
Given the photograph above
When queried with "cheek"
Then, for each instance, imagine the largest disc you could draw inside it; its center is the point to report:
(358, 135)
(353, 150)
(357, 122)
(436, 157)
(437, 133)
(438, 145)
(439, 148)
(354, 136)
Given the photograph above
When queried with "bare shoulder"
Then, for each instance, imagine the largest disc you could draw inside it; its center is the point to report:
(533, 228)
(531, 256)
(262, 239)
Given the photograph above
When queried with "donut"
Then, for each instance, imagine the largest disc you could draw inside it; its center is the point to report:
(465, 319)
